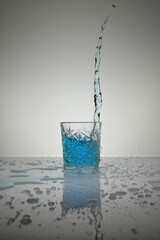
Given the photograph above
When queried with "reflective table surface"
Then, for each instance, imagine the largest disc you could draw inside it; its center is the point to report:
(41, 200)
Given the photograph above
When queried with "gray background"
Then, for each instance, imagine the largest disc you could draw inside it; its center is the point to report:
(47, 50)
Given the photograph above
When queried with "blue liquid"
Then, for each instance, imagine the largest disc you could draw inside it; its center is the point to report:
(80, 153)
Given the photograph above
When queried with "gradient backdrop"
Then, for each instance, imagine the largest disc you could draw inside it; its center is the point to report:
(47, 50)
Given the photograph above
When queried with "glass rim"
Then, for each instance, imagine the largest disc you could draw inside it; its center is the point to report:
(79, 122)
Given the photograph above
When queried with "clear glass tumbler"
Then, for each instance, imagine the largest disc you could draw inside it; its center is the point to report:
(81, 144)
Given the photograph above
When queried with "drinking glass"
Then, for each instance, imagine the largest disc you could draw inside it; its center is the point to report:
(81, 144)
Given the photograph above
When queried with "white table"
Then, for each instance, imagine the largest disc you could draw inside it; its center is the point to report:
(39, 200)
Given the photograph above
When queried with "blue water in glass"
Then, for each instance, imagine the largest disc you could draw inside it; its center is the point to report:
(80, 153)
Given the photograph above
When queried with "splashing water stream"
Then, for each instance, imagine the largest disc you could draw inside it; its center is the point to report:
(97, 89)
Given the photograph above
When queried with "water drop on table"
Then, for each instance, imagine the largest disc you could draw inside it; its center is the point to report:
(112, 196)
(32, 200)
(51, 204)
(120, 193)
(133, 190)
(1, 196)
(25, 221)
(114, 5)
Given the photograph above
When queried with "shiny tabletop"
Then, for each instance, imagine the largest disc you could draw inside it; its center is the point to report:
(39, 199)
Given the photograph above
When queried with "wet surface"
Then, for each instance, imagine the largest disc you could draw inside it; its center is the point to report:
(41, 200)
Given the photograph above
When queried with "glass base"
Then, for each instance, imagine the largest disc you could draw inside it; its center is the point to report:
(81, 170)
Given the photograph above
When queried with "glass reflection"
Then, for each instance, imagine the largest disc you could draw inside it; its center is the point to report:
(82, 190)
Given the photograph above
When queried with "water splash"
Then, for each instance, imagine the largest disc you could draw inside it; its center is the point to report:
(97, 89)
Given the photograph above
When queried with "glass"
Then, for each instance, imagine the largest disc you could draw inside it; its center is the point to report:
(81, 144)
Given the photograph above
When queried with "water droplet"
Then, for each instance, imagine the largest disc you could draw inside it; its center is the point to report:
(90, 220)
(133, 189)
(38, 192)
(30, 195)
(112, 196)
(26, 192)
(133, 230)
(154, 182)
(148, 195)
(157, 188)
(120, 193)
(114, 5)
(1, 196)
(147, 191)
(25, 221)
(152, 204)
(140, 196)
(54, 181)
(32, 200)
(11, 207)
(52, 209)
(8, 203)
(37, 206)
(10, 220)
(48, 192)
(51, 204)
